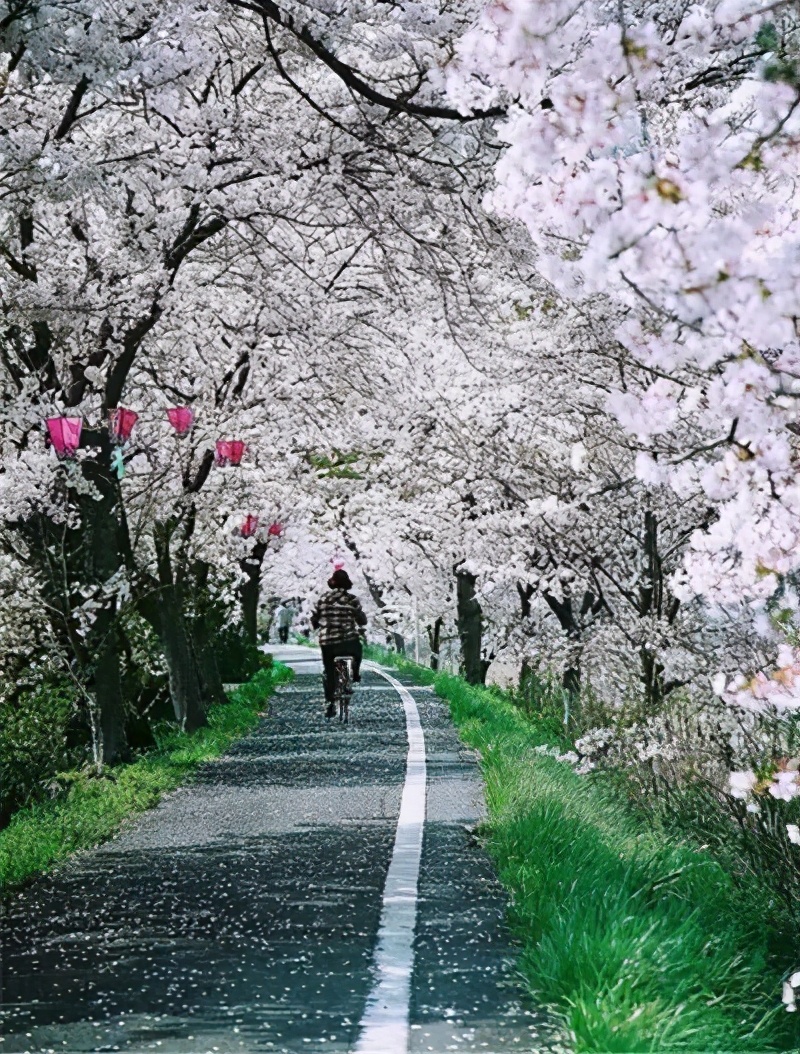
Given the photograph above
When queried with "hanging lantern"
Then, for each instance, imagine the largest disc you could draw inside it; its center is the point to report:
(250, 526)
(120, 424)
(65, 434)
(338, 562)
(275, 529)
(230, 451)
(181, 418)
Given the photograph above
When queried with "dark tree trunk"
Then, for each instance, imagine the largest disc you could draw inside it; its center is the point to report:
(562, 609)
(470, 628)
(205, 628)
(164, 608)
(185, 684)
(99, 553)
(654, 599)
(108, 720)
(163, 611)
(250, 591)
(571, 678)
(435, 640)
(652, 679)
(205, 654)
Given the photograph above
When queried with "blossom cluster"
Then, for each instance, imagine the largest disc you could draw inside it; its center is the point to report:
(652, 157)
(782, 782)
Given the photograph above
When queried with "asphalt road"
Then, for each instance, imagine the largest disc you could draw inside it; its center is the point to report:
(242, 913)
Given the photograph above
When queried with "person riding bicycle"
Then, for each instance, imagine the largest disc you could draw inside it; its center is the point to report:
(338, 616)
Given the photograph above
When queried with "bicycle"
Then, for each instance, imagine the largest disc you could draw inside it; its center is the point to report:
(342, 686)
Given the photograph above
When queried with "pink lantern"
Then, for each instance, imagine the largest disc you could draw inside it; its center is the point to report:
(237, 449)
(338, 563)
(120, 424)
(65, 434)
(181, 418)
(230, 451)
(275, 529)
(250, 526)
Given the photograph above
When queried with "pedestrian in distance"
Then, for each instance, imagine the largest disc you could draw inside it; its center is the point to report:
(283, 616)
(338, 615)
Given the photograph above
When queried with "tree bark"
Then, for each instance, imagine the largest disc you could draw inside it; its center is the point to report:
(562, 609)
(470, 628)
(205, 653)
(163, 606)
(435, 640)
(105, 685)
(250, 591)
(185, 686)
(97, 555)
(652, 679)
(204, 627)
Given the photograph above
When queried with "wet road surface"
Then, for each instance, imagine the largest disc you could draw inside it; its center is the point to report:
(241, 914)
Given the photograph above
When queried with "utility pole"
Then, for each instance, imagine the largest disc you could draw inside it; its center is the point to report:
(416, 628)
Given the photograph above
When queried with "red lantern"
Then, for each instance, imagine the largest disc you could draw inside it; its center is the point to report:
(237, 449)
(181, 418)
(120, 424)
(250, 526)
(65, 434)
(275, 529)
(230, 451)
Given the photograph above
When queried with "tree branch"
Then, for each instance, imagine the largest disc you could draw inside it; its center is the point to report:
(71, 112)
(352, 78)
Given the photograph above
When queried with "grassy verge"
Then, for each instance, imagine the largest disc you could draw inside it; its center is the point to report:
(636, 942)
(93, 807)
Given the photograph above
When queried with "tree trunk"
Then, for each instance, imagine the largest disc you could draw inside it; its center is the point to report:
(470, 628)
(562, 609)
(185, 686)
(164, 608)
(250, 591)
(105, 685)
(204, 629)
(205, 654)
(434, 640)
(652, 679)
(97, 556)
(571, 678)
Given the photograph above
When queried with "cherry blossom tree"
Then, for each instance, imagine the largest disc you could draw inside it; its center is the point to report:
(192, 214)
(651, 155)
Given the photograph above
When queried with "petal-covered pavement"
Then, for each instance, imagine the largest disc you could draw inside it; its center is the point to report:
(243, 913)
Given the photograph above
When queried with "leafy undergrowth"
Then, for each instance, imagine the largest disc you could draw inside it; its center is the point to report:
(636, 942)
(92, 808)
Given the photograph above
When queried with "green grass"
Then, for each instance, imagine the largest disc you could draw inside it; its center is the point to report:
(636, 942)
(93, 807)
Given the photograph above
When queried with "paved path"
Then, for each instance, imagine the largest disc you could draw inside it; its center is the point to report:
(243, 913)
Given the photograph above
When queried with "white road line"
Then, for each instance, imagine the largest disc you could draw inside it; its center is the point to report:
(384, 1026)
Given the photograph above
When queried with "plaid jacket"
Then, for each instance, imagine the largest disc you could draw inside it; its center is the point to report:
(337, 616)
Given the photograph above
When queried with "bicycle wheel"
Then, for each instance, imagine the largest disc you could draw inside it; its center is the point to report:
(343, 688)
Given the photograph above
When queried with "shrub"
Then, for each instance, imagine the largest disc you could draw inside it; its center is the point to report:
(238, 658)
(37, 742)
